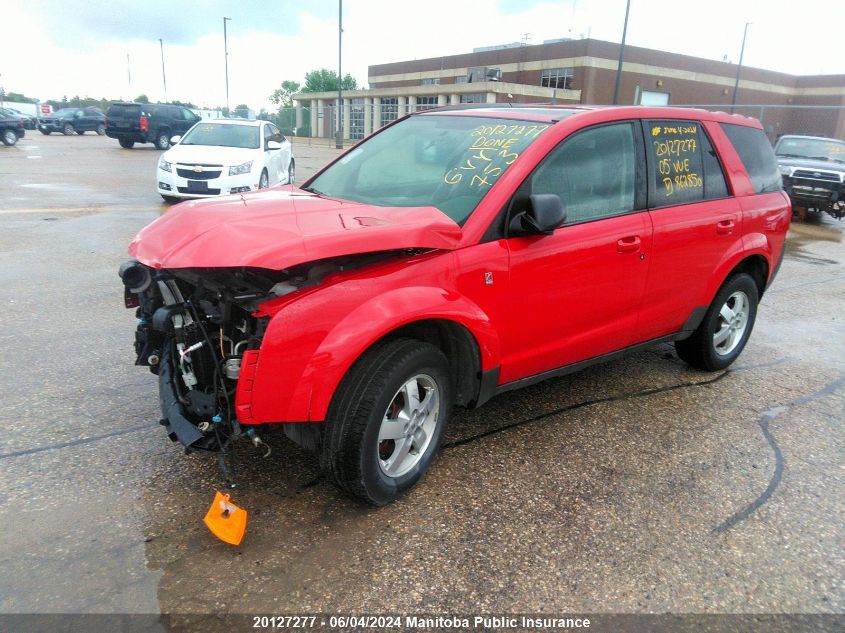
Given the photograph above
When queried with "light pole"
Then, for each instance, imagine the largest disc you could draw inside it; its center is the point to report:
(621, 56)
(226, 59)
(129, 74)
(739, 66)
(339, 134)
(163, 76)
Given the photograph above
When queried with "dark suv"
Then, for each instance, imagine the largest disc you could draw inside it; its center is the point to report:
(155, 123)
(70, 120)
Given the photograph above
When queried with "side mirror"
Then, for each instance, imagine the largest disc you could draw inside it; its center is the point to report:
(274, 145)
(544, 214)
(175, 139)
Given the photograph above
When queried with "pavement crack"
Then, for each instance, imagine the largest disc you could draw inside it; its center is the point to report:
(766, 417)
(76, 442)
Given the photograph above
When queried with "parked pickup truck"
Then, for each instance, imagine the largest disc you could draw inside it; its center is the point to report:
(813, 171)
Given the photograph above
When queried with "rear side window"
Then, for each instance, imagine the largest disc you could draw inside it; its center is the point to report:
(757, 156)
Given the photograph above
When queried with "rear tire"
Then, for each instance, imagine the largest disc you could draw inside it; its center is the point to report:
(101, 130)
(722, 335)
(9, 137)
(68, 130)
(386, 419)
(126, 144)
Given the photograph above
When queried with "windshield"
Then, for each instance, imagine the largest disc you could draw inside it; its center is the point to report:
(222, 134)
(448, 162)
(821, 149)
(65, 111)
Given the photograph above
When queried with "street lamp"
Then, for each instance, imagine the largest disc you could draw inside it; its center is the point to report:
(739, 65)
(339, 134)
(226, 59)
(621, 56)
(163, 76)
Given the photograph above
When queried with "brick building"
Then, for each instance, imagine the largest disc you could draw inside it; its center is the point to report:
(579, 72)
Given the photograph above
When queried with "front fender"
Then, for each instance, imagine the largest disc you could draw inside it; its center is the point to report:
(299, 368)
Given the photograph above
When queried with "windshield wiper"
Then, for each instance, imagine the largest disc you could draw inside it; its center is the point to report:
(312, 190)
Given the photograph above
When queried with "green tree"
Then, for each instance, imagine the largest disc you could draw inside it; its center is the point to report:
(282, 96)
(241, 111)
(17, 97)
(325, 80)
(142, 99)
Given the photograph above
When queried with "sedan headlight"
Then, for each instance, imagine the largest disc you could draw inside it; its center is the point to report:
(164, 165)
(784, 170)
(240, 169)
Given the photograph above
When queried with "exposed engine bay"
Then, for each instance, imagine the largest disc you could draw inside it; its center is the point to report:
(194, 327)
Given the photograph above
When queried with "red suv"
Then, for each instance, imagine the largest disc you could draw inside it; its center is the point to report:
(452, 256)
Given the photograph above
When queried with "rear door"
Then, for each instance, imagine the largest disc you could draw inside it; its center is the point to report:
(697, 221)
(575, 294)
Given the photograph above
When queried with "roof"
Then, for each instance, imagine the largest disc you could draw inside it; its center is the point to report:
(552, 114)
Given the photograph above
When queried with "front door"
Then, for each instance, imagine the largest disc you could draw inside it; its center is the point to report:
(576, 294)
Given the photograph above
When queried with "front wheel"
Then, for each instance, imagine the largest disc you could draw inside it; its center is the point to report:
(170, 199)
(264, 181)
(722, 335)
(67, 130)
(291, 172)
(163, 140)
(45, 132)
(384, 425)
(9, 137)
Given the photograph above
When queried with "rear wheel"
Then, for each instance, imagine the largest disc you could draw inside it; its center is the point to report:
(9, 137)
(126, 144)
(101, 129)
(722, 335)
(45, 132)
(67, 130)
(386, 420)
(80, 132)
(163, 140)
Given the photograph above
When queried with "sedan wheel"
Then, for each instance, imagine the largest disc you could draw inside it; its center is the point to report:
(263, 181)
(291, 172)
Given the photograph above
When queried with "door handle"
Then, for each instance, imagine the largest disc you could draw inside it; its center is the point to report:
(629, 244)
(725, 227)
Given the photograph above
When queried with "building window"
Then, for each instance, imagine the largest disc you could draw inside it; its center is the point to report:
(389, 109)
(461, 79)
(474, 98)
(427, 102)
(431, 81)
(356, 119)
(557, 78)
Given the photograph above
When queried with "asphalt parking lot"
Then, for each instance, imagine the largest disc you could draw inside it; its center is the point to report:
(636, 486)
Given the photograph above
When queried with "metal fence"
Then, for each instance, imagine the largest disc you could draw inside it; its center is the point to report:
(322, 123)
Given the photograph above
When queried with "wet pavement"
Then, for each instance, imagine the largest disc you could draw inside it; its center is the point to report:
(636, 486)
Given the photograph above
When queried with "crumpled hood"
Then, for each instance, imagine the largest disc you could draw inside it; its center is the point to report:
(282, 227)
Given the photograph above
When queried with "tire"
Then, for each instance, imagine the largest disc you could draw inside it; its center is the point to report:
(730, 317)
(170, 198)
(291, 172)
(80, 132)
(9, 137)
(67, 130)
(375, 389)
(45, 132)
(264, 180)
(101, 129)
(125, 144)
(163, 140)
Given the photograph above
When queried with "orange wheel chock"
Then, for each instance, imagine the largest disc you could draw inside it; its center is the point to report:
(226, 520)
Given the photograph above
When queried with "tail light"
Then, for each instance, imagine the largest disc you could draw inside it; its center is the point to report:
(144, 123)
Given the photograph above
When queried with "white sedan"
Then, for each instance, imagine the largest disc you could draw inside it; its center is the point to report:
(223, 157)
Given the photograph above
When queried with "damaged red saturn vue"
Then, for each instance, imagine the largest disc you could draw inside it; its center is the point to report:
(453, 255)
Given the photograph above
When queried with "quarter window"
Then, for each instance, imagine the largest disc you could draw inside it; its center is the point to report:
(757, 156)
(592, 172)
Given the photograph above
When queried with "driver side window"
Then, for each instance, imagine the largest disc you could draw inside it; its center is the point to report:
(592, 172)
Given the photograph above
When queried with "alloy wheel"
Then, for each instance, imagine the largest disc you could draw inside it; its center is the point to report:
(732, 323)
(408, 425)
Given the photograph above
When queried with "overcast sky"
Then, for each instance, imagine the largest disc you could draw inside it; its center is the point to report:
(52, 48)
